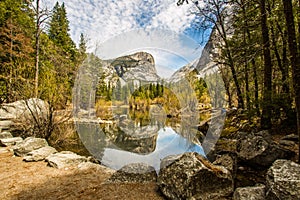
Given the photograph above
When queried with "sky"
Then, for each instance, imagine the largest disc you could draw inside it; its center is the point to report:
(119, 27)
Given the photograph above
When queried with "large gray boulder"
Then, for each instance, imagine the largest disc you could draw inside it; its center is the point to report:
(28, 145)
(10, 141)
(22, 115)
(134, 173)
(191, 176)
(258, 150)
(283, 180)
(250, 193)
(39, 154)
(65, 159)
(23, 108)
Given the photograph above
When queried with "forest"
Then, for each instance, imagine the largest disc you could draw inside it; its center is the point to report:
(259, 57)
(38, 57)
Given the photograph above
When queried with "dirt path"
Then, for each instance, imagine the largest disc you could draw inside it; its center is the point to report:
(21, 180)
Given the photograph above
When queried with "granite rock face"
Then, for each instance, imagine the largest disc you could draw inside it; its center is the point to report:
(283, 180)
(191, 176)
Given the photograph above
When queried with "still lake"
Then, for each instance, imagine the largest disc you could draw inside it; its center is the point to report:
(140, 138)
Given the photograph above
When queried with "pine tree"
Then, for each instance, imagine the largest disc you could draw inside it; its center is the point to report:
(59, 30)
(82, 44)
(16, 30)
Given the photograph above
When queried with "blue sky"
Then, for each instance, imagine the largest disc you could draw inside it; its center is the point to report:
(121, 23)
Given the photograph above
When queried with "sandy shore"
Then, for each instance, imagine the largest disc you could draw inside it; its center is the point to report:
(35, 180)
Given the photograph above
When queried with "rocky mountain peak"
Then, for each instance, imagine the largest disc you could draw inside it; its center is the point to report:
(143, 57)
(138, 66)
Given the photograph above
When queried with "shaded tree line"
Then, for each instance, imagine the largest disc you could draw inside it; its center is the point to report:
(259, 58)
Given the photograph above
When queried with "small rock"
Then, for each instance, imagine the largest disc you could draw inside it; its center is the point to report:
(134, 173)
(39, 154)
(5, 135)
(65, 159)
(227, 161)
(28, 145)
(283, 180)
(191, 176)
(250, 193)
(10, 141)
(96, 167)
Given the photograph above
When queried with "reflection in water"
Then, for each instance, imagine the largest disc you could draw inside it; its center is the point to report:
(139, 138)
(168, 143)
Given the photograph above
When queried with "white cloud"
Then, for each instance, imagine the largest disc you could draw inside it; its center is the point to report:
(105, 20)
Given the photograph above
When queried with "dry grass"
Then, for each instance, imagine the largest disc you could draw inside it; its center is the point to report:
(103, 109)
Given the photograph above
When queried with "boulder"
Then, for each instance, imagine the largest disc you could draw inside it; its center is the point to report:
(28, 145)
(39, 154)
(134, 173)
(22, 114)
(94, 167)
(23, 108)
(250, 193)
(283, 180)
(65, 159)
(258, 150)
(5, 134)
(10, 141)
(191, 176)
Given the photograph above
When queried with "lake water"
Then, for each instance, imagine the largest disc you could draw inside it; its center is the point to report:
(147, 140)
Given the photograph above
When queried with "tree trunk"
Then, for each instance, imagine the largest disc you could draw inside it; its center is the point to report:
(267, 97)
(227, 88)
(256, 88)
(245, 54)
(233, 71)
(37, 49)
(295, 58)
(298, 26)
